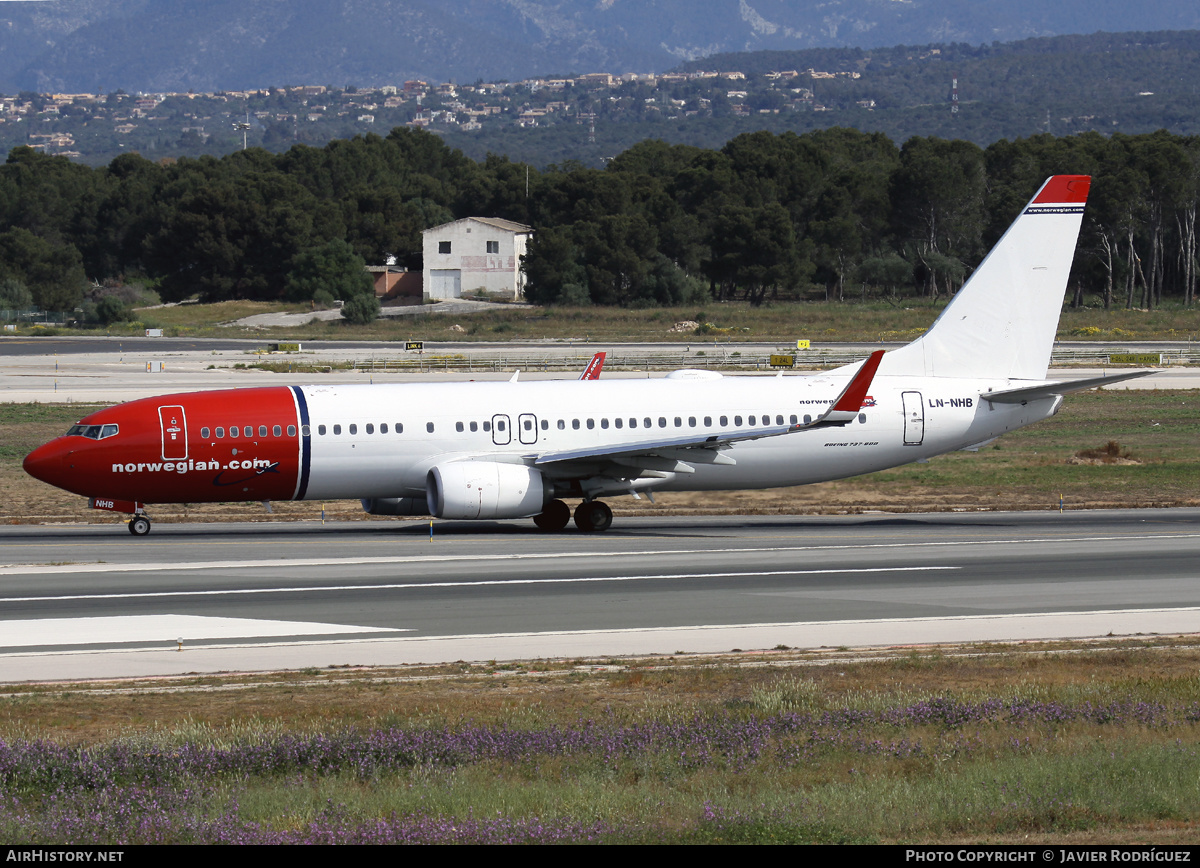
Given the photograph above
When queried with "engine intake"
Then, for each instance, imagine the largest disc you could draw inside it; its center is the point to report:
(485, 489)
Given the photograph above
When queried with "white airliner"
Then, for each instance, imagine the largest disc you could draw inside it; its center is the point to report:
(522, 449)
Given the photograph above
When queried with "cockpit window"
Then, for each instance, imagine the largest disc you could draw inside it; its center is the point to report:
(93, 432)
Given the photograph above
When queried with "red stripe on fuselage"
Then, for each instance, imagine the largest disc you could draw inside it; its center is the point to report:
(131, 465)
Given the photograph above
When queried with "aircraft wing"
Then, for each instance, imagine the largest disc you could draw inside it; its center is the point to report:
(671, 453)
(1047, 390)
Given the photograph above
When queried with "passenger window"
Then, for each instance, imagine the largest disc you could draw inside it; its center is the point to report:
(399, 428)
(487, 426)
(292, 431)
(662, 421)
(793, 418)
(575, 424)
(383, 427)
(807, 418)
(862, 417)
(321, 430)
(499, 425)
(353, 429)
(458, 426)
(220, 433)
(277, 431)
(562, 425)
(778, 420)
(474, 426)
(370, 428)
(708, 421)
(204, 433)
(528, 425)
(429, 427)
(678, 422)
(337, 429)
(545, 425)
(262, 430)
(737, 420)
(633, 423)
(647, 422)
(591, 423)
(691, 421)
(618, 422)
(724, 421)
(752, 418)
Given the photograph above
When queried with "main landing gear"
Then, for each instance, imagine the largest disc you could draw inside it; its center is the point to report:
(139, 525)
(554, 517)
(591, 516)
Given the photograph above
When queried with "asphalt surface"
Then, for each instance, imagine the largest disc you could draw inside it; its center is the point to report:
(90, 602)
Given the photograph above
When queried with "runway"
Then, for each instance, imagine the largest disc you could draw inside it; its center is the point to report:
(92, 602)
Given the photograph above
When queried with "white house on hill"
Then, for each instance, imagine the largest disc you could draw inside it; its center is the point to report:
(473, 254)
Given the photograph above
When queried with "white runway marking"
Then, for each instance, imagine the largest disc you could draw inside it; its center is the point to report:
(504, 583)
(121, 629)
(276, 563)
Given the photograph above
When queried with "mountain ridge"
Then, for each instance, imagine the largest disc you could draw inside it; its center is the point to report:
(178, 45)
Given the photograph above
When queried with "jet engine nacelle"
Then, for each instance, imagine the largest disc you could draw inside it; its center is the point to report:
(485, 489)
(394, 506)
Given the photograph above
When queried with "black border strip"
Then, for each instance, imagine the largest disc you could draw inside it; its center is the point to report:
(305, 443)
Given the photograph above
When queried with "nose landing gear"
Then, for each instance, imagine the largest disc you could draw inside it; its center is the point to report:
(139, 525)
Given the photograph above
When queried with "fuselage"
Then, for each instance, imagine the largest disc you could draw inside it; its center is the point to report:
(381, 441)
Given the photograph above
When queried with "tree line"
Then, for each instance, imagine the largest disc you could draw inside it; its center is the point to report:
(832, 214)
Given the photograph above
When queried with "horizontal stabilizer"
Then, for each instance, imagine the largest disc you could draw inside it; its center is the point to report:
(1047, 390)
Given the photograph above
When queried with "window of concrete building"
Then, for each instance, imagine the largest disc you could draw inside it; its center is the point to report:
(493, 246)
(443, 247)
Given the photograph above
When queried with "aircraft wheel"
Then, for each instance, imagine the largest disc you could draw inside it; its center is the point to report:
(593, 517)
(554, 517)
(139, 525)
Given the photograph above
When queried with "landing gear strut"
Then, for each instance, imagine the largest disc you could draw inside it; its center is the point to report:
(554, 517)
(593, 516)
(139, 525)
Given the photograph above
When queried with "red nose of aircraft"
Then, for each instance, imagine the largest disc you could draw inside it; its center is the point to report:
(48, 463)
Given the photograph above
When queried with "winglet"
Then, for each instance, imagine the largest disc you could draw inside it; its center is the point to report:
(849, 403)
(592, 371)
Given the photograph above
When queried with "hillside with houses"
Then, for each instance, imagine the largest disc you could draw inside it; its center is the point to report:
(1130, 83)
